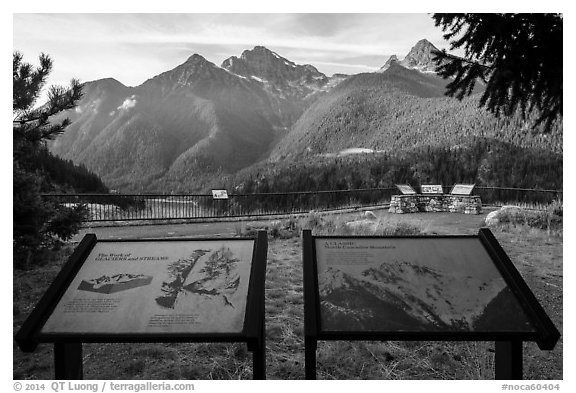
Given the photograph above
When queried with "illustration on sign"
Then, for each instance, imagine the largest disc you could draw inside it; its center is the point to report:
(431, 189)
(413, 285)
(151, 287)
(115, 283)
(405, 189)
(218, 277)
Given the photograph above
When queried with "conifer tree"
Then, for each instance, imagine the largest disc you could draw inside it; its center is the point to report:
(517, 56)
(37, 223)
(32, 123)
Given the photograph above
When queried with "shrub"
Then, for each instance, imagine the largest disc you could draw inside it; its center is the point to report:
(329, 225)
(380, 227)
(66, 221)
(400, 229)
(313, 221)
(549, 219)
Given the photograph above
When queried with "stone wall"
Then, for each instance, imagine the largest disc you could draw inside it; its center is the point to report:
(467, 204)
(433, 203)
(404, 204)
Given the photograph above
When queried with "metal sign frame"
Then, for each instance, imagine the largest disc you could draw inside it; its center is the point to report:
(508, 343)
(219, 194)
(431, 189)
(406, 189)
(469, 187)
(68, 346)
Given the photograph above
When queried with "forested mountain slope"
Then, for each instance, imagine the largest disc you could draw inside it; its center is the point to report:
(190, 124)
(483, 161)
(396, 110)
(186, 121)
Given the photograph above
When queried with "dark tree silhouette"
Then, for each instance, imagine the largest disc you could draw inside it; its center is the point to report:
(33, 123)
(37, 223)
(517, 56)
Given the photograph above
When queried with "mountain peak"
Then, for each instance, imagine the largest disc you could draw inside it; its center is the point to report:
(267, 65)
(391, 60)
(421, 56)
(196, 58)
(260, 48)
(107, 81)
(260, 51)
(424, 42)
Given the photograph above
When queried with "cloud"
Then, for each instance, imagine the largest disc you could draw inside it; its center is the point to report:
(365, 67)
(128, 103)
(134, 47)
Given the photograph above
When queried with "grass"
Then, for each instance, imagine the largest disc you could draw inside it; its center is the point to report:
(536, 253)
(332, 224)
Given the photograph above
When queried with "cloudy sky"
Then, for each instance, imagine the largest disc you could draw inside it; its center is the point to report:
(135, 47)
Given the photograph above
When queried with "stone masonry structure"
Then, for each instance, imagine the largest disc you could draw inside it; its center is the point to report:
(404, 204)
(467, 204)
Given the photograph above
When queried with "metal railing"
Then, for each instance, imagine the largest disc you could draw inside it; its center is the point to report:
(524, 197)
(127, 207)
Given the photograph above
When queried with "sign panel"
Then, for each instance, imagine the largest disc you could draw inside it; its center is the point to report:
(411, 285)
(462, 189)
(219, 194)
(406, 189)
(158, 287)
(431, 189)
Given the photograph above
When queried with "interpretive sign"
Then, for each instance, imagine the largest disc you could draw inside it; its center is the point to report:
(177, 287)
(219, 194)
(419, 288)
(431, 189)
(155, 291)
(462, 189)
(405, 189)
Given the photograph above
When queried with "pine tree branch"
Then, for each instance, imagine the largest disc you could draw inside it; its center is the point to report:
(519, 56)
(33, 124)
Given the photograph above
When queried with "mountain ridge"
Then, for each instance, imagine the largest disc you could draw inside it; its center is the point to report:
(186, 123)
(186, 127)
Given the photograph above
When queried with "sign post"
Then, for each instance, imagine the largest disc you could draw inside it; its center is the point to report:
(68, 361)
(310, 305)
(508, 360)
(157, 290)
(437, 288)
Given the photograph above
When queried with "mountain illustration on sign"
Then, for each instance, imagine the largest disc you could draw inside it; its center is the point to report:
(218, 277)
(402, 296)
(115, 283)
(179, 271)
